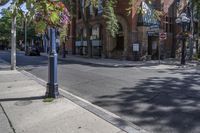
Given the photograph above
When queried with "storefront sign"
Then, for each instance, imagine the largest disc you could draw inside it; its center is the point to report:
(154, 28)
(152, 33)
(136, 47)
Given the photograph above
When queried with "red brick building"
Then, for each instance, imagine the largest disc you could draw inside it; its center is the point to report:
(138, 37)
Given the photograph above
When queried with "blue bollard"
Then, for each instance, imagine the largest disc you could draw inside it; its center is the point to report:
(52, 85)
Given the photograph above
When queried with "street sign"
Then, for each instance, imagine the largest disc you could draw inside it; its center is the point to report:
(163, 36)
(152, 33)
(154, 27)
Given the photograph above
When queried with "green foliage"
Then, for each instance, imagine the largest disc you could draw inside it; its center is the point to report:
(5, 26)
(111, 18)
(48, 100)
(63, 33)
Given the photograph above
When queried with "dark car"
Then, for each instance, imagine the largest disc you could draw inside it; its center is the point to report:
(34, 50)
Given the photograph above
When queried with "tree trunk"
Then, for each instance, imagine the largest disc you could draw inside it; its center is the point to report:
(13, 43)
(89, 45)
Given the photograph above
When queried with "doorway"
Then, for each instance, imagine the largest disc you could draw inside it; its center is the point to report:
(153, 47)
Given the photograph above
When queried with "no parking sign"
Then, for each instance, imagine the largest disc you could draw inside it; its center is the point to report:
(163, 36)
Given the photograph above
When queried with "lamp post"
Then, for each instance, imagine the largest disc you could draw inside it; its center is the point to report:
(183, 20)
(25, 15)
(25, 36)
(52, 85)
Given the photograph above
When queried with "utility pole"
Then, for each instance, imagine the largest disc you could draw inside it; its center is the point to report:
(25, 36)
(13, 40)
(191, 6)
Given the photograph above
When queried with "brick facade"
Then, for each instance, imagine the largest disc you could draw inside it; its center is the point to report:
(131, 33)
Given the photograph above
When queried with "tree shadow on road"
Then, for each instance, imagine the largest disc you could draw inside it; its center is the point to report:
(160, 105)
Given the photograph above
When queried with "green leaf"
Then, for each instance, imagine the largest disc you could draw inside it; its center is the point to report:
(54, 17)
(40, 27)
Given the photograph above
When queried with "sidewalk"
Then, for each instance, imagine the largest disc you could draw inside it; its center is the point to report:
(22, 110)
(153, 64)
(4, 65)
(22, 100)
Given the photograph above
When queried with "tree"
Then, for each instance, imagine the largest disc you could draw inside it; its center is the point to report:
(5, 26)
(47, 13)
(194, 9)
(3, 2)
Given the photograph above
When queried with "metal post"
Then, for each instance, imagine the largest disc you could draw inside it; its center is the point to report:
(13, 43)
(159, 51)
(64, 50)
(52, 85)
(25, 37)
(183, 44)
(192, 30)
(183, 52)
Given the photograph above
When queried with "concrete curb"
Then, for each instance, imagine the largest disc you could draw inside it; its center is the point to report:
(115, 65)
(96, 63)
(100, 112)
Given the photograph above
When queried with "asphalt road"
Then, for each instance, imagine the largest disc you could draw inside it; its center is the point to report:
(160, 101)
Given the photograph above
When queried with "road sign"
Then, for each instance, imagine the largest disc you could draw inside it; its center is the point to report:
(154, 27)
(163, 36)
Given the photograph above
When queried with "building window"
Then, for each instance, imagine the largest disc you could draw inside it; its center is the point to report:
(168, 24)
(91, 12)
(96, 32)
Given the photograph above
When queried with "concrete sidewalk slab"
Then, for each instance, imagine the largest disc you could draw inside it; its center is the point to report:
(4, 123)
(22, 100)
(4, 65)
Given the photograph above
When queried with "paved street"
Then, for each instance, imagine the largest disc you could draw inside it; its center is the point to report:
(158, 100)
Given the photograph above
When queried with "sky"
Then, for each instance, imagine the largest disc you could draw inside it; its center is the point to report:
(5, 6)
(8, 4)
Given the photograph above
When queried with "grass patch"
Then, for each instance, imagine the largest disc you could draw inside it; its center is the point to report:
(48, 100)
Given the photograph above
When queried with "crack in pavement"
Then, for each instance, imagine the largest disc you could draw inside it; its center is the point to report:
(9, 121)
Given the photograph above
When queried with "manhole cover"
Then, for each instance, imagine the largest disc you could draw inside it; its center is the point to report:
(23, 103)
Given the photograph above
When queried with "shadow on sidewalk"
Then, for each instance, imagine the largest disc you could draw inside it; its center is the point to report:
(22, 99)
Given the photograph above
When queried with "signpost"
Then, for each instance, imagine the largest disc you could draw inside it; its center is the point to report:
(162, 37)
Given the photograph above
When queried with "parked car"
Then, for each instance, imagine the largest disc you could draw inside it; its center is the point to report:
(34, 50)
